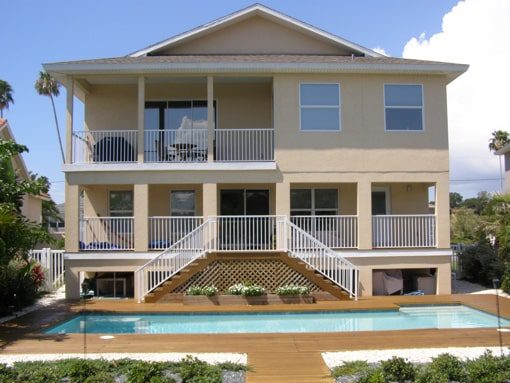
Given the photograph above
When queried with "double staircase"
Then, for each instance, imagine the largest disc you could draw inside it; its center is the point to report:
(253, 234)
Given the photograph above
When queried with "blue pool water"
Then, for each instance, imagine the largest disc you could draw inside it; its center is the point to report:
(407, 318)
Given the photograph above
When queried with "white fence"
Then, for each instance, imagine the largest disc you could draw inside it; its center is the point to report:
(52, 261)
(165, 231)
(335, 231)
(104, 146)
(184, 145)
(244, 145)
(323, 259)
(403, 231)
(107, 233)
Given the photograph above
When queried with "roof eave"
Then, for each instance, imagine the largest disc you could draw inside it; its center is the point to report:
(450, 70)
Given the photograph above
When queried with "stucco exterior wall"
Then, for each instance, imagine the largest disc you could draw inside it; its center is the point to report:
(256, 36)
(32, 208)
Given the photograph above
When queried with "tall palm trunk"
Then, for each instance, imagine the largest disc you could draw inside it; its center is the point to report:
(58, 129)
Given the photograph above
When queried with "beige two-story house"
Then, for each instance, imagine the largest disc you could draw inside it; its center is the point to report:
(257, 147)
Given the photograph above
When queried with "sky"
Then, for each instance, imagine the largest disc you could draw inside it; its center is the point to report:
(475, 32)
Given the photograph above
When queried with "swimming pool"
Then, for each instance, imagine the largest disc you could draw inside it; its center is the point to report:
(407, 318)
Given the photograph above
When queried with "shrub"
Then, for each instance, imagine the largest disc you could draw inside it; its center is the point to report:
(480, 264)
(505, 280)
(488, 369)
(450, 366)
(247, 289)
(398, 370)
(372, 375)
(208, 291)
(7, 374)
(193, 370)
(292, 290)
(350, 368)
(18, 285)
(430, 375)
(143, 372)
(194, 290)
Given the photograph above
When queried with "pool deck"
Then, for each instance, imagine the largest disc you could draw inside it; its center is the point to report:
(275, 358)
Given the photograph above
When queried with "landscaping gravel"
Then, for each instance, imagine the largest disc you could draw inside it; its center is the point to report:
(211, 358)
(414, 355)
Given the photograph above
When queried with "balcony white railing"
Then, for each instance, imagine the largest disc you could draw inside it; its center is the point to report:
(183, 145)
(335, 231)
(244, 145)
(104, 146)
(323, 259)
(162, 267)
(245, 233)
(106, 233)
(403, 231)
(165, 231)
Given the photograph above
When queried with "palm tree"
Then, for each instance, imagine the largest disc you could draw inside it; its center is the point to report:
(46, 85)
(5, 96)
(499, 139)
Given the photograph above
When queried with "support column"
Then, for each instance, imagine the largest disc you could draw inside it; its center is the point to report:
(365, 281)
(283, 198)
(444, 278)
(443, 213)
(282, 208)
(210, 119)
(72, 282)
(72, 217)
(210, 200)
(69, 119)
(141, 119)
(141, 215)
(364, 215)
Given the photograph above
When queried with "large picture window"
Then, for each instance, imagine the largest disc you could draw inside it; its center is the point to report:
(313, 202)
(403, 106)
(121, 203)
(182, 203)
(319, 107)
(176, 115)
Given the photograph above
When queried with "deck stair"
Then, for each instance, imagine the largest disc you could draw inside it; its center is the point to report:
(299, 250)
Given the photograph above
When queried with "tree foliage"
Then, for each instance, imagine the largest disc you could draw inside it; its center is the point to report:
(455, 200)
(5, 96)
(499, 140)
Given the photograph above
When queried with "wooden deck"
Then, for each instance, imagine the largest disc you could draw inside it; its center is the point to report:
(293, 357)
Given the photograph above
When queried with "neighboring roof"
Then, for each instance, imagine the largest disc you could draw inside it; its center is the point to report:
(261, 10)
(504, 150)
(254, 63)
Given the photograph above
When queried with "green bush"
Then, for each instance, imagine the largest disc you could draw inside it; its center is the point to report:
(193, 370)
(18, 285)
(350, 368)
(292, 290)
(398, 370)
(481, 264)
(246, 289)
(7, 374)
(488, 369)
(450, 366)
(430, 375)
(372, 375)
(505, 279)
(143, 372)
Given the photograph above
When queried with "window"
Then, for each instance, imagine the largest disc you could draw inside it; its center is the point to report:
(403, 106)
(182, 203)
(313, 202)
(121, 204)
(176, 115)
(320, 107)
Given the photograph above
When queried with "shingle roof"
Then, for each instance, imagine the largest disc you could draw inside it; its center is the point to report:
(276, 59)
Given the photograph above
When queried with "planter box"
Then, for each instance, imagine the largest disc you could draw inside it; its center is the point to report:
(227, 300)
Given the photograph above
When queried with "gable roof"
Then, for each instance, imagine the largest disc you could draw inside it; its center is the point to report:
(265, 12)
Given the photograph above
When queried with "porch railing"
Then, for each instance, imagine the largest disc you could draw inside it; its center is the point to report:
(323, 259)
(245, 233)
(104, 146)
(165, 231)
(162, 267)
(106, 233)
(244, 145)
(183, 145)
(52, 261)
(403, 231)
(335, 231)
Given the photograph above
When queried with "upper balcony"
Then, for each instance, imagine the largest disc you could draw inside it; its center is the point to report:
(174, 120)
(173, 146)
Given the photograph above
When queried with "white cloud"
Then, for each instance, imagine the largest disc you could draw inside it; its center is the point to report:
(380, 50)
(474, 32)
